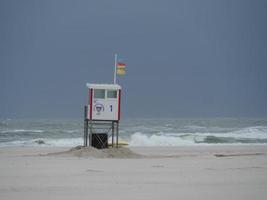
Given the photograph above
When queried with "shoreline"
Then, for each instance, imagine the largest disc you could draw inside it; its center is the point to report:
(146, 150)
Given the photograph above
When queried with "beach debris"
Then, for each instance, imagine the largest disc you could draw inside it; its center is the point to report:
(241, 154)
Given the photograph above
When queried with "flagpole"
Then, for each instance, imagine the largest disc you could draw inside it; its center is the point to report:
(115, 69)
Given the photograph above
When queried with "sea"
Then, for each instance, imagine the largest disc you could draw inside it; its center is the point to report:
(137, 132)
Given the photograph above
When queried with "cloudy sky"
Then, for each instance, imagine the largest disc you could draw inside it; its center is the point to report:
(184, 58)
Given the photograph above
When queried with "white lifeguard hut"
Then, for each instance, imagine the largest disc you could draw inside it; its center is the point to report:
(104, 102)
(103, 111)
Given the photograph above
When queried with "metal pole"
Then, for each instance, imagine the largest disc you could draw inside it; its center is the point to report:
(87, 132)
(85, 127)
(115, 69)
(112, 143)
(117, 130)
(90, 133)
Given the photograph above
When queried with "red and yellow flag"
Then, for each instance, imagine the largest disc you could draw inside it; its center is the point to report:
(121, 68)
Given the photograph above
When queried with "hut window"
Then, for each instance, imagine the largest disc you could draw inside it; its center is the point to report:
(99, 94)
(112, 94)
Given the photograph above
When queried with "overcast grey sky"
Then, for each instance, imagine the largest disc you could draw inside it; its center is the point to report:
(185, 58)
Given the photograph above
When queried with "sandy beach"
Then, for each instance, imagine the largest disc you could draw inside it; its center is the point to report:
(190, 172)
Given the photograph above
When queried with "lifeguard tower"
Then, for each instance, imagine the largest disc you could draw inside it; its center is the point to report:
(102, 115)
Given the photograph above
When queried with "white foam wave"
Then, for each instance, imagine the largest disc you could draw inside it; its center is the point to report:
(247, 135)
(22, 131)
(67, 142)
(73, 131)
(139, 139)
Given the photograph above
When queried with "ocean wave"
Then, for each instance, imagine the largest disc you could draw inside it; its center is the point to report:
(148, 133)
(66, 142)
(251, 135)
(21, 131)
(140, 139)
